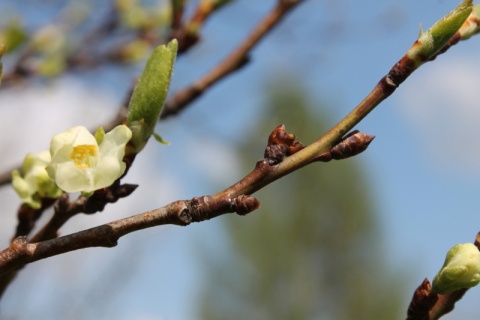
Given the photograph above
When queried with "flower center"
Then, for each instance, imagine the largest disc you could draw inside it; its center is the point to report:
(84, 155)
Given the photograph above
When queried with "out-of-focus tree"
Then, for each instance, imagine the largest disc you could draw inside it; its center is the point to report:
(313, 251)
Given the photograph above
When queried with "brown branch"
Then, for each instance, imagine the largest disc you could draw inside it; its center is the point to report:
(422, 302)
(178, 9)
(66, 209)
(188, 34)
(233, 199)
(237, 59)
(181, 213)
(426, 305)
(445, 304)
(27, 217)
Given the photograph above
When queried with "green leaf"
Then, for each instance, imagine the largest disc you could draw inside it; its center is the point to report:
(446, 27)
(435, 38)
(158, 138)
(99, 135)
(150, 93)
(13, 35)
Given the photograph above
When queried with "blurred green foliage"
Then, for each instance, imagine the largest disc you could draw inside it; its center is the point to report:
(312, 250)
(12, 35)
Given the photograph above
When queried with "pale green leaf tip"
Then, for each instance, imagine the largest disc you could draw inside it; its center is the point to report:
(435, 38)
(446, 27)
(158, 138)
(421, 31)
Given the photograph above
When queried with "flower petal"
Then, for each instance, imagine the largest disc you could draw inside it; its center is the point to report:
(114, 142)
(69, 178)
(107, 171)
(73, 137)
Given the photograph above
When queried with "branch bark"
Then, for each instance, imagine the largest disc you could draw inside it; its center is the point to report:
(180, 213)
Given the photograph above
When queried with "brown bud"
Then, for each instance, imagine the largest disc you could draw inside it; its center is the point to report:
(281, 144)
(422, 302)
(352, 144)
(125, 190)
(245, 204)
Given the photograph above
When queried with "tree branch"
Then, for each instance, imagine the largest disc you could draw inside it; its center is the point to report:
(183, 212)
(237, 59)
(188, 34)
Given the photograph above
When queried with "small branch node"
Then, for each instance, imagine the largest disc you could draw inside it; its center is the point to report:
(185, 216)
(389, 81)
(62, 204)
(422, 301)
(245, 204)
(280, 145)
(19, 244)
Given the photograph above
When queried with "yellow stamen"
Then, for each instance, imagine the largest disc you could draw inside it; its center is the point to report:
(82, 155)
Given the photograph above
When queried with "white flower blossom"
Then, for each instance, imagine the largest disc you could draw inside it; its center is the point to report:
(32, 182)
(83, 162)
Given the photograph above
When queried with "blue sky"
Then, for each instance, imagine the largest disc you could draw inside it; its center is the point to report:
(422, 167)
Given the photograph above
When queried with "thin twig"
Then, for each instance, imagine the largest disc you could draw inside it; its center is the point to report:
(188, 34)
(445, 304)
(237, 59)
(180, 213)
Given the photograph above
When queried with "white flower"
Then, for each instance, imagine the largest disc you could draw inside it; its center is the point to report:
(32, 182)
(82, 162)
(460, 270)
